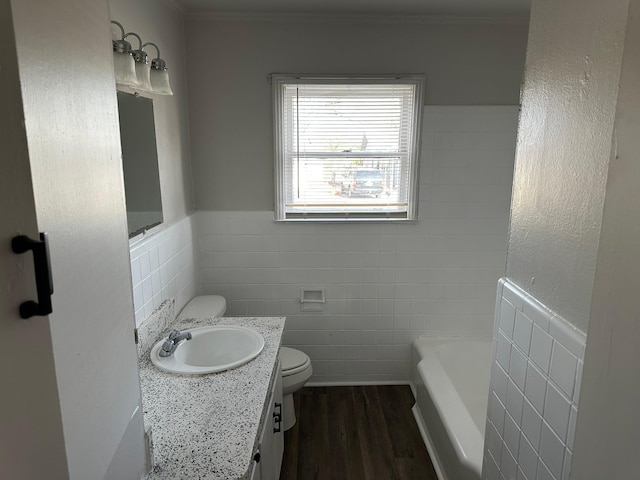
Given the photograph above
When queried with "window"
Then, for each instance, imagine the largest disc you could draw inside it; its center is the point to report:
(346, 148)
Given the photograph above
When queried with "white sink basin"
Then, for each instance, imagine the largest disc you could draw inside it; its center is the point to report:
(211, 349)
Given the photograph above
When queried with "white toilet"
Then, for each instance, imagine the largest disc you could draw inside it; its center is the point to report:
(296, 371)
(204, 306)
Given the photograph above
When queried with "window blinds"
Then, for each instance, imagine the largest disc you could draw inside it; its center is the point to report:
(346, 150)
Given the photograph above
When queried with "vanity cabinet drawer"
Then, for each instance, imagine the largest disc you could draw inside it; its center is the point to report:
(271, 442)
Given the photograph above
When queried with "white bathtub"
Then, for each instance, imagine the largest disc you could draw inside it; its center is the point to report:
(450, 378)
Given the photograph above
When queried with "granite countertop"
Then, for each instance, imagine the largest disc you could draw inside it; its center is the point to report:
(206, 426)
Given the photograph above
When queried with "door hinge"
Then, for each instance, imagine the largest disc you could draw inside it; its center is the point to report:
(136, 338)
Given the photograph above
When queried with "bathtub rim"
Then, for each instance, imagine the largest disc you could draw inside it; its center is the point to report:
(428, 442)
(468, 446)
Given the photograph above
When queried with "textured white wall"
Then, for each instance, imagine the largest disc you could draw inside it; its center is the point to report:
(608, 422)
(156, 22)
(230, 97)
(568, 104)
(385, 283)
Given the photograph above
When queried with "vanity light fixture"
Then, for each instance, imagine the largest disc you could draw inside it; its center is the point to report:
(123, 63)
(159, 75)
(143, 70)
(132, 66)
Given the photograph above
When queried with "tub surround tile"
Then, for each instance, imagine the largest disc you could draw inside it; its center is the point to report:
(531, 423)
(563, 369)
(522, 332)
(495, 443)
(206, 426)
(569, 336)
(518, 368)
(556, 411)
(539, 314)
(503, 353)
(499, 380)
(508, 464)
(511, 435)
(514, 401)
(507, 318)
(521, 475)
(566, 469)
(513, 295)
(497, 413)
(572, 427)
(551, 351)
(527, 458)
(551, 450)
(492, 471)
(576, 389)
(536, 387)
(541, 345)
(543, 472)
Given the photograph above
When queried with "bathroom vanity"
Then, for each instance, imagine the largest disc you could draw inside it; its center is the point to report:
(224, 425)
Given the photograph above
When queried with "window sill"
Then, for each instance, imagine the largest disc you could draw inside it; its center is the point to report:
(347, 220)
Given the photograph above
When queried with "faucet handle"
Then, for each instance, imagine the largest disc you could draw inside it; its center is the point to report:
(170, 340)
(173, 340)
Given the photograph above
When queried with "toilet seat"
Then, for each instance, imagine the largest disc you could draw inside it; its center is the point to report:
(293, 361)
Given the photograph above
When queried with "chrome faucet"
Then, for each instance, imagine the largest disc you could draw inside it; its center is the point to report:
(173, 340)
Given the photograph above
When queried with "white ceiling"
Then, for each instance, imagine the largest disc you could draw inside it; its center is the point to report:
(483, 8)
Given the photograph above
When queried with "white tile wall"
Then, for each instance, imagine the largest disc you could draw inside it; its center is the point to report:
(535, 377)
(385, 283)
(162, 267)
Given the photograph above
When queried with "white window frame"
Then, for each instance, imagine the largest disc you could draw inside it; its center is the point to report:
(280, 80)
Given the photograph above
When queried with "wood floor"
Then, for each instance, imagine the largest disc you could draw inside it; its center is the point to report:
(353, 433)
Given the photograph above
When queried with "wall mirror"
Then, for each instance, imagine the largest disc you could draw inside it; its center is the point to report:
(140, 163)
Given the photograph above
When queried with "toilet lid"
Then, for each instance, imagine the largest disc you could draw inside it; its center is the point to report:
(292, 358)
(204, 306)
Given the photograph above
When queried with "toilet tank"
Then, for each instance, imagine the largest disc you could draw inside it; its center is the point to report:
(204, 306)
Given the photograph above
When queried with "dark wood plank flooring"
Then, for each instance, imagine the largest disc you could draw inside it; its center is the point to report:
(353, 433)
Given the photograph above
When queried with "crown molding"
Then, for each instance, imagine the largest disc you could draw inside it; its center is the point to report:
(350, 18)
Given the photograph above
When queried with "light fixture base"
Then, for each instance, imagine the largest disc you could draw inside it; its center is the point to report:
(159, 64)
(121, 46)
(140, 56)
